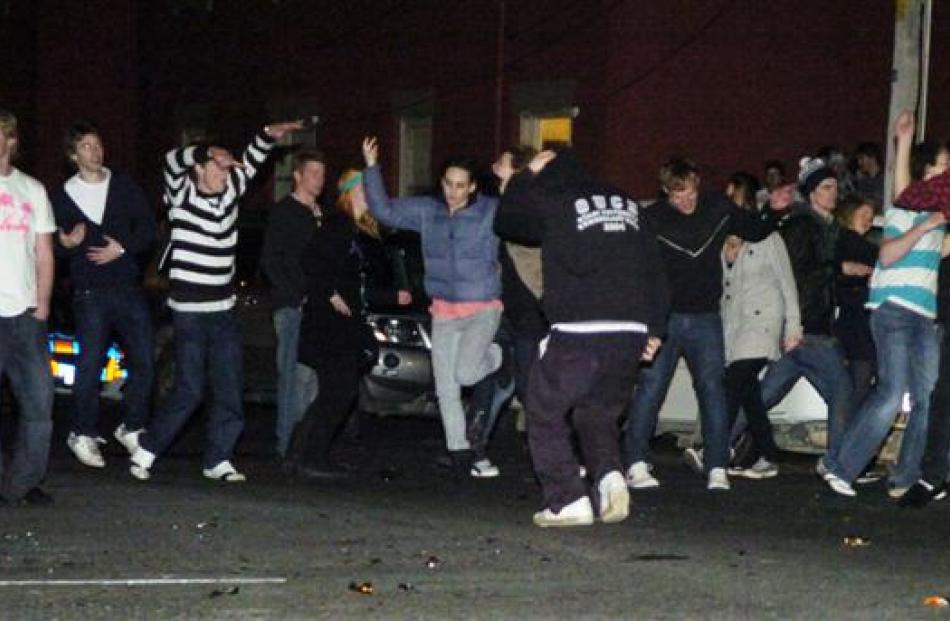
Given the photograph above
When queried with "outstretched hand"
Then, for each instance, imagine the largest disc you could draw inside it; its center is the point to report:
(279, 130)
(539, 161)
(370, 151)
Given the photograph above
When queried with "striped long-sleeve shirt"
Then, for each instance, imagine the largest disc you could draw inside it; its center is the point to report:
(911, 281)
(204, 231)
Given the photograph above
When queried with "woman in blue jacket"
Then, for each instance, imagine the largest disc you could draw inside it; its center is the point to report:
(460, 254)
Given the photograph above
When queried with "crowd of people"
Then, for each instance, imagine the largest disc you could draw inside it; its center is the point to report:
(556, 287)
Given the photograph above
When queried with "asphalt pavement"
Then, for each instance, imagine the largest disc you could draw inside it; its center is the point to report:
(401, 539)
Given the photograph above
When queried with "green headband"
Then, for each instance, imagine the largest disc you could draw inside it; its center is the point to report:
(351, 183)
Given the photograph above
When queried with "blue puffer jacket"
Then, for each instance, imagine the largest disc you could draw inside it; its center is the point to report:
(460, 252)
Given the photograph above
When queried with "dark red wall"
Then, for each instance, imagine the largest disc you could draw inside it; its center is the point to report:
(729, 83)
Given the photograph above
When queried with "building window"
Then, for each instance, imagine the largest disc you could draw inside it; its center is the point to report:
(414, 112)
(415, 155)
(545, 111)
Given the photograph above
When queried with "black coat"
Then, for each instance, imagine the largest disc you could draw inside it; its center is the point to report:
(331, 264)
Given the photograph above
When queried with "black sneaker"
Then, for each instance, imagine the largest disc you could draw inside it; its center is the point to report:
(36, 498)
(921, 493)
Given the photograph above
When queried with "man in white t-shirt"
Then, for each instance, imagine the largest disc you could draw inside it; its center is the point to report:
(26, 283)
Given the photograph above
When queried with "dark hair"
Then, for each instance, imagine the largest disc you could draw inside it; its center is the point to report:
(305, 156)
(465, 163)
(675, 172)
(924, 154)
(850, 204)
(749, 186)
(777, 165)
(869, 149)
(75, 133)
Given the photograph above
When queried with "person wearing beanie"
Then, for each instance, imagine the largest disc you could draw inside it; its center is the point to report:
(810, 233)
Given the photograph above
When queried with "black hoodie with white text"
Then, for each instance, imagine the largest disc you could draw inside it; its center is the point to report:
(600, 261)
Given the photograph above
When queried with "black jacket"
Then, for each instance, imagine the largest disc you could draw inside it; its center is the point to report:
(811, 243)
(852, 326)
(127, 218)
(290, 228)
(600, 261)
(691, 246)
(331, 263)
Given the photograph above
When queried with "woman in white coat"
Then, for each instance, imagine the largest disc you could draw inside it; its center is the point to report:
(761, 319)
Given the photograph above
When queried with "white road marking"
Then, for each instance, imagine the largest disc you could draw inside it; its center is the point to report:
(138, 581)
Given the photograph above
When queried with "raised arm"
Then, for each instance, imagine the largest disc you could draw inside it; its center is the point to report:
(400, 213)
(904, 135)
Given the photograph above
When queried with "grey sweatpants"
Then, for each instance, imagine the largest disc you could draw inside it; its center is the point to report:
(462, 354)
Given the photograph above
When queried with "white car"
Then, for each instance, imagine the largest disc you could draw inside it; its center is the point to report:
(799, 421)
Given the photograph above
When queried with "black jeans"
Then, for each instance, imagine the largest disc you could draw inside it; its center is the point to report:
(936, 462)
(339, 385)
(744, 390)
(591, 375)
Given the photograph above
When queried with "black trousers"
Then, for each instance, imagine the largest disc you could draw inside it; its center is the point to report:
(744, 390)
(936, 462)
(339, 385)
(581, 383)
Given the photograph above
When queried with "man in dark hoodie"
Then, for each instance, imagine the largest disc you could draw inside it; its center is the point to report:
(691, 227)
(606, 296)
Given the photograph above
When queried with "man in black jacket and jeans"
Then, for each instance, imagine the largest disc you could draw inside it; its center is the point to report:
(605, 294)
(104, 222)
(691, 227)
(290, 227)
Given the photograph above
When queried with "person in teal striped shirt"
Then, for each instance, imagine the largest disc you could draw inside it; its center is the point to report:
(903, 299)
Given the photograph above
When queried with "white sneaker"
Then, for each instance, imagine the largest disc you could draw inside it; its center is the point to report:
(142, 461)
(614, 498)
(718, 480)
(578, 513)
(694, 459)
(639, 477)
(86, 450)
(484, 469)
(128, 439)
(761, 469)
(836, 483)
(224, 471)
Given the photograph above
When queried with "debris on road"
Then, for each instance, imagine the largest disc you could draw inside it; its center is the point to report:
(936, 601)
(219, 592)
(363, 588)
(433, 562)
(853, 541)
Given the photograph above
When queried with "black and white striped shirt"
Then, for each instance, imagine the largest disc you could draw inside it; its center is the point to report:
(204, 228)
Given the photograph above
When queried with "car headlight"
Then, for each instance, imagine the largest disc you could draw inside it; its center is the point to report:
(400, 331)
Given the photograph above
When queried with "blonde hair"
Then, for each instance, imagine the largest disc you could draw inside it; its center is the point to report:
(366, 222)
(8, 125)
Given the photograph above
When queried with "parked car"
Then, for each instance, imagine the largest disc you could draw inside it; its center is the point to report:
(64, 353)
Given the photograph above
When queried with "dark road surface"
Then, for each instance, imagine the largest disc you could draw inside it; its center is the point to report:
(436, 547)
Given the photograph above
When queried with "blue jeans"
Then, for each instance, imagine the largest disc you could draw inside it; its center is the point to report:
(296, 383)
(212, 341)
(908, 358)
(698, 337)
(98, 313)
(820, 360)
(24, 358)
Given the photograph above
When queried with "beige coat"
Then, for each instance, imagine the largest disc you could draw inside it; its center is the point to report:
(759, 301)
